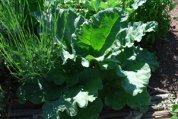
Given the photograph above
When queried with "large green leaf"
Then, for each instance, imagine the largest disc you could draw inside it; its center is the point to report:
(147, 57)
(136, 77)
(134, 32)
(91, 80)
(116, 100)
(60, 24)
(95, 32)
(92, 111)
(56, 75)
(128, 55)
(38, 91)
(120, 37)
(119, 99)
(139, 102)
(125, 57)
(52, 109)
(80, 96)
(134, 68)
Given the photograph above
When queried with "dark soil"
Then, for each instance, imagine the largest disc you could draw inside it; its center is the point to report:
(166, 77)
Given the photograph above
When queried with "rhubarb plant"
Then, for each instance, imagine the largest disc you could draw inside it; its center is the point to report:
(77, 65)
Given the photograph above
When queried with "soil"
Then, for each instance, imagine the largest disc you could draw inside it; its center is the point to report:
(166, 76)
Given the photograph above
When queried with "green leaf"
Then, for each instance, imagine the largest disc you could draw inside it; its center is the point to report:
(93, 5)
(175, 108)
(85, 62)
(67, 23)
(92, 111)
(95, 32)
(42, 91)
(174, 116)
(110, 4)
(75, 96)
(134, 32)
(91, 80)
(118, 99)
(61, 24)
(147, 57)
(35, 95)
(138, 3)
(65, 55)
(133, 68)
(71, 22)
(82, 99)
(136, 77)
(126, 37)
(128, 55)
(139, 102)
(151, 26)
(56, 75)
(52, 109)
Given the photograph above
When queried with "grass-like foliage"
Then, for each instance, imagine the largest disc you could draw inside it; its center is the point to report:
(26, 53)
(78, 56)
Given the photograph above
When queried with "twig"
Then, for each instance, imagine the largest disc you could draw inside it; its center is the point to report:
(158, 90)
(159, 97)
(157, 114)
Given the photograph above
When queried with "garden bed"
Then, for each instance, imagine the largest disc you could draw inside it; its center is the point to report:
(163, 86)
(159, 91)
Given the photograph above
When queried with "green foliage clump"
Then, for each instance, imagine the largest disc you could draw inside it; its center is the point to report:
(174, 111)
(156, 10)
(27, 54)
(149, 10)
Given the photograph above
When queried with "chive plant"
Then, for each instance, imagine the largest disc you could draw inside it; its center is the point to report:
(26, 54)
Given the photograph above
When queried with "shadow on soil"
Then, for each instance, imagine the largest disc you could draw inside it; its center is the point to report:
(166, 76)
